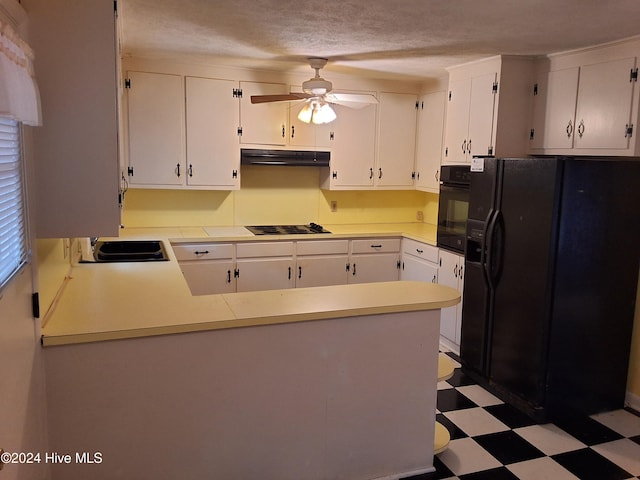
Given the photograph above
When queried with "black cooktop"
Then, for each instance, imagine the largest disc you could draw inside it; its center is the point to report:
(286, 229)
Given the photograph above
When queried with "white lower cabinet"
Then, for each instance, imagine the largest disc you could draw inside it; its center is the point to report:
(419, 261)
(264, 266)
(374, 260)
(207, 268)
(451, 274)
(211, 268)
(321, 262)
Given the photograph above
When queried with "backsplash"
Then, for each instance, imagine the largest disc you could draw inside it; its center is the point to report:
(275, 195)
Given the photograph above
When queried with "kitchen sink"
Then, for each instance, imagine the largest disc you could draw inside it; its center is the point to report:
(129, 251)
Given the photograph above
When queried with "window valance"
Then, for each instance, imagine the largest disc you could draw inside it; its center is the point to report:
(19, 97)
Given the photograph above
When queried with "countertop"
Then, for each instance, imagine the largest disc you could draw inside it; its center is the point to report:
(126, 300)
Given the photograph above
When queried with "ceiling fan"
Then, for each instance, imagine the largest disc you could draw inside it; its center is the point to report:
(317, 94)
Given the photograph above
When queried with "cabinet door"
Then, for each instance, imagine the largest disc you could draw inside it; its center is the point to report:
(213, 157)
(155, 105)
(379, 267)
(554, 109)
(450, 274)
(604, 105)
(416, 269)
(481, 116)
(209, 277)
(263, 123)
(457, 123)
(396, 140)
(353, 146)
(264, 274)
(318, 271)
(429, 141)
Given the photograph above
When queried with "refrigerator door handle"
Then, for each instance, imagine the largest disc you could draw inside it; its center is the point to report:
(495, 246)
(489, 250)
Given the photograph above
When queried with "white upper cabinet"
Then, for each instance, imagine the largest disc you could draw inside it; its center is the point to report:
(603, 110)
(263, 123)
(75, 151)
(182, 132)
(430, 129)
(488, 109)
(470, 112)
(586, 102)
(212, 133)
(352, 149)
(396, 140)
(155, 105)
(554, 106)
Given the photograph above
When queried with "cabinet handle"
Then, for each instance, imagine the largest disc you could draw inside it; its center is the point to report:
(380, 172)
(228, 276)
(460, 270)
(469, 146)
(455, 271)
(289, 277)
(190, 170)
(464, 146)
(178, 169)
(299, 272)
(581, 128)
(437, 175)
(293, 131)
(434, 279)
(201, 252)
(419, 251)
(284, 132)
(370, 173)
(376, 246)
(334, 174)
(569, 129)
(354, 269)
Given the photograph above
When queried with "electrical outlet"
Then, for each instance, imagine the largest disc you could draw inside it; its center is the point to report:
(420, 216)
(334, 206)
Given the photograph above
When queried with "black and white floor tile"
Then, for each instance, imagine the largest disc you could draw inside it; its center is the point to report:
(491, 440)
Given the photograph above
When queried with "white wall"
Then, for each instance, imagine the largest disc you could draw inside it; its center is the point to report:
(22, 406)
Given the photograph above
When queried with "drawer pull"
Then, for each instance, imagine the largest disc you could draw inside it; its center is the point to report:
(376, 246)
(201, 252)
(419, 251)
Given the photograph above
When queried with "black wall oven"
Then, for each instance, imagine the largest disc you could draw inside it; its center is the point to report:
(453, 207)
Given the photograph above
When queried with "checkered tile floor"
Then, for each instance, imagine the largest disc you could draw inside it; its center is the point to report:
(491, 440)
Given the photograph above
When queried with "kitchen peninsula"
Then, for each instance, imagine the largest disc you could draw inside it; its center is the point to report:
(325, 382)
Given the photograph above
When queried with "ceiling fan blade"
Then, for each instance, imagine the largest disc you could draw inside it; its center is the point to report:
(351, 100)
(279, 98)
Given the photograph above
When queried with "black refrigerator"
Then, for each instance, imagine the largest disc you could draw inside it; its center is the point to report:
(551, 259)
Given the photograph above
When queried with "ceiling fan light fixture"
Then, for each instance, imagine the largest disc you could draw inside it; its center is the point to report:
(324, 114)
(306, 113)
(317, 112)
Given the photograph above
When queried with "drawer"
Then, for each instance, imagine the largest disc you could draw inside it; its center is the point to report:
(264, 249)
(420, 250)
(375, 245)
(322, 247)
(202, 251)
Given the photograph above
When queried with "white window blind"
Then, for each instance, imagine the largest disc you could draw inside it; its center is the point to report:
(13, 246)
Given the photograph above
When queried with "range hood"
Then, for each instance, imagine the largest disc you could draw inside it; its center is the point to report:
(298, 158)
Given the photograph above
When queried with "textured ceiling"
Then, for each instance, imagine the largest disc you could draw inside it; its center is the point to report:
(376, 38)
